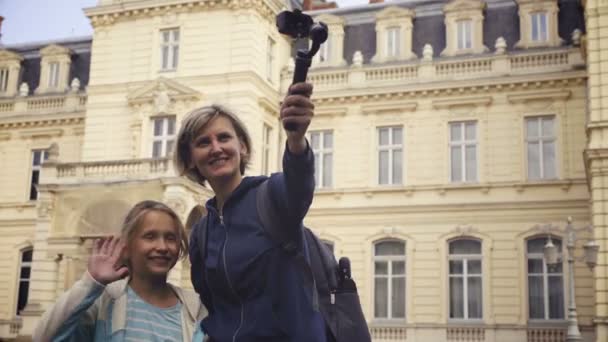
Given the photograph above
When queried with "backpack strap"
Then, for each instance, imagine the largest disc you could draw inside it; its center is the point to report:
(282, 235)
(203, 229)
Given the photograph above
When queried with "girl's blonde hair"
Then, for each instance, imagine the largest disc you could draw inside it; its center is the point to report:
(136, 216)
(190, 128)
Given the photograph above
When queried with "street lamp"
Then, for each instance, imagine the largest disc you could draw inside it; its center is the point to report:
(552, 258)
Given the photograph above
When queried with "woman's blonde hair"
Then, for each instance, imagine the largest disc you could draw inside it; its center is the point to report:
(136, 216)
(190, 128)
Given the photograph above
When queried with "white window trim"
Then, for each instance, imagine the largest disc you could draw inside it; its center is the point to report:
(464, 10)
(541, 140)
(465, 276)
(464, 33)
(49, 55)
(526, 9)
(319, 154)
(545, 276)
(43, 157)
(389, 259)
(390, 148)
(463, 144)
(165, 137)
(23, 264)
(334, 46)
(266, 147)
(270, 58)
(389, 18)
(171, 45)
(539, 27)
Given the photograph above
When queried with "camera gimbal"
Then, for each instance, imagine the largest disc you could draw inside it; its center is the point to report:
(299, 26)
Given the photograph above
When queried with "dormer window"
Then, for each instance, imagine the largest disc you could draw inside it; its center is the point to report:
(331, 51)
(539, 27)
(10, 66)
(393, 41)
(3, 79)
(324, 55)
(54, 69)
(394, 34)
(464, 32)
(464, 27)
(538, 24)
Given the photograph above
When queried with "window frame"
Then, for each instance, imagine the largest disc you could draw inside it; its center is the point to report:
(35, 169)
(464, 34)
(320, 152)
(545, 277)
(54, 70)
(465, 276)
(390, 147)
(463, 143)
(389, 259)
(5, 73)
(172, 45)
(23, 264)
(266, 146)
(536, 23)
(165, 138)
(393, 42)
(270, 58)
(541, 140)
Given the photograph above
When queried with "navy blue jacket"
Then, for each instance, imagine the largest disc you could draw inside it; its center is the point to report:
(252, 288)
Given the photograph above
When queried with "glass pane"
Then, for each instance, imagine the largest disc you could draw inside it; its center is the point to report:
(535, 297)
(465, 247)
(175, 56)
(537, 245)
(328, 140)
(534, 26)
(456, 298)
(171, 129)
(474, 297)
(398, 267)
(397, 167)
(474, 267)
(380, 298)
(549, 160)
(456, 163)
(456, 267)
(390, 248)
(327, 165)
(33, 191)
(547, 127)
(315, 140)
(471, 131)
(398, 298)
(317, 170)
(169, 150)
(383, 167)
(25, 273)
(555, 269)
(535, 266)
(471, 163)
(36, 158)
(156, 149)
(397, 136)
(556, 297)
(27, 256)
(165, 57)
(455, 131)
(532, 128)
(543, 26)
(383, 136)
(165, 36)
(158, 127)
(23, 292)
(533, 161)
(381, 268)
(175, 35)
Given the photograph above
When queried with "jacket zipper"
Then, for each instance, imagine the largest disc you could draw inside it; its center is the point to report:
(230, 283)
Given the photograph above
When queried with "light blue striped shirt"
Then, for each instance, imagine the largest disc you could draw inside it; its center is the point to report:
(146, 322)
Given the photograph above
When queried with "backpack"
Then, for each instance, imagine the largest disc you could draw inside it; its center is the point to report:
(334, 291)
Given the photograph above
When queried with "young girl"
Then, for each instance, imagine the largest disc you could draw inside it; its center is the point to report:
(124, 295)
(253, 290)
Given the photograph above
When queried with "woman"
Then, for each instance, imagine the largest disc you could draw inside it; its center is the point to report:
(250, 285)
(102, 306)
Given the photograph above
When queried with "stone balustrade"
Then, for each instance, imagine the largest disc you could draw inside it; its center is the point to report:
(41, 104)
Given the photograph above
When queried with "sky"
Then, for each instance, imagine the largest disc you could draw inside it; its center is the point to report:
(40, 20)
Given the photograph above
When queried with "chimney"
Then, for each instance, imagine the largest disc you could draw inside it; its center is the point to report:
(307, 5)
(375, 1)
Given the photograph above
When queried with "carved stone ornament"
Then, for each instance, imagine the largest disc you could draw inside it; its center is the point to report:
(45, 207)
(357, 59)
(53, 153)
(576, 37)
(162, 101)
(427, 52)
(177, 205)
(75, 85)
(500, 46)
(24, 89)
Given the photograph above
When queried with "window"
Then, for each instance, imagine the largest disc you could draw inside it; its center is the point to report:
(545, 284)
(24, 278)
(393, 36)
(540, 142)
(324, 51)
(463, 151)
(464, 31)
(169, 48)
(164, 137)
(270, 58)
(322, 147)
(53, 74)
(38, 157)
(267, 130)
(539, 27)
(3, 80)
(389, 280)
(465, 279)
(390, 152)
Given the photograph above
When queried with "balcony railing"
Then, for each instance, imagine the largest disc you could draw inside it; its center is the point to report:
(444, 69)
(40, 104)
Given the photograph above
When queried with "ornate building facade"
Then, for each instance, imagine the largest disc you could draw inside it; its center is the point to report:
(452, 139)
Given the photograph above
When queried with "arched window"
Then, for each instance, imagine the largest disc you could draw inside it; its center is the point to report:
(465, 278)
(25, 269)
(545, 284)
(389, 279)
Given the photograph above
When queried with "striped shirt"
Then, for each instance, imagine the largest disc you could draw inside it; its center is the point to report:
(146, 322)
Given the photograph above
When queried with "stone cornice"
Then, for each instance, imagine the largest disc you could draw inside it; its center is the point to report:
(109, 14)
(394, 12)
(391, 107)
(55, 50)
(463, 101)
(7, 55)
(27, 121)
(464, 5)
(540, 95)
(41, 133)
